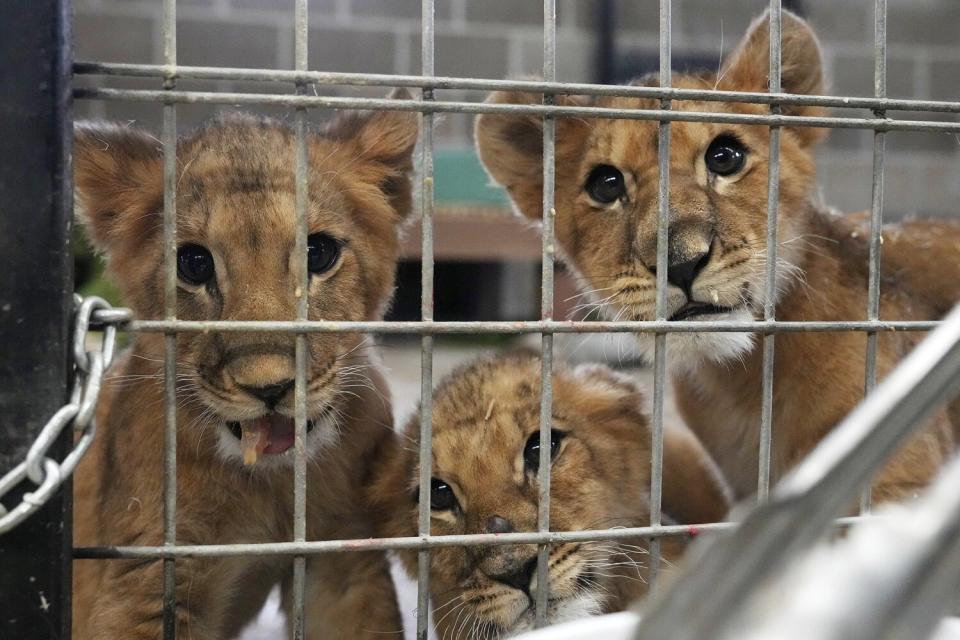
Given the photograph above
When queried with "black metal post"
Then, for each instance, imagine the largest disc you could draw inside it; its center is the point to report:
(35, 301)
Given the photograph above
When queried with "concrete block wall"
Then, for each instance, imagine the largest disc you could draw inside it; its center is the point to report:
(502, 38)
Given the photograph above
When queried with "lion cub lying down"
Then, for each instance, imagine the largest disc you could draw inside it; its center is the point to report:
(606, 223)
(486, 420)
(235, 233)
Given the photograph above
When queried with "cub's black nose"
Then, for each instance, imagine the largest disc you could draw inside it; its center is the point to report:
(521, 578)
(683, 274)
(271, 394)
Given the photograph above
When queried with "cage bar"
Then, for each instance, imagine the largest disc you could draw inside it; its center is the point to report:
(319, 547)
(427, 15)
(170, 315)
(302, 195)
(770, 288)
(411, 542)
(548, 252)
(36, 201)
(530, 86)
(529, 326)
(876, 208)
(663, 262)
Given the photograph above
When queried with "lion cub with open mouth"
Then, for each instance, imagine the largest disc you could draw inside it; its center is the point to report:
(235, 261)
(486, 442)
(606, 223)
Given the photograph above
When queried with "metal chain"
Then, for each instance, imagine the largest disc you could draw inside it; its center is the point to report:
(88, 367)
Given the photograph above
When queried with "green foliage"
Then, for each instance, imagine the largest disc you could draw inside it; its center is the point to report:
(88, 269)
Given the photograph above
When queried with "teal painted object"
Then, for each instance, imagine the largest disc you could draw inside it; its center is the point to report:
(459, 178)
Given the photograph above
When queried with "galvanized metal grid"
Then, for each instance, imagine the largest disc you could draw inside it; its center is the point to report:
(301, 79)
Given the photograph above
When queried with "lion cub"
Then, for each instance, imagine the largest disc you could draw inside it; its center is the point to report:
(235, 233)
(606, 205)
(486, 419)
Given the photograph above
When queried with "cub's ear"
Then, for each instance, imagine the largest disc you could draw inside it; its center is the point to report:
(801, 66)
(511, 147)
(612, 396)
(386, 139)
(118, 182)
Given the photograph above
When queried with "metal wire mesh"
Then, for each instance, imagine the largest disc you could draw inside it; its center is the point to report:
(300, 79)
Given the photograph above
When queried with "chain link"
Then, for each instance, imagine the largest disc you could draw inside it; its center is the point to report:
(88, 367)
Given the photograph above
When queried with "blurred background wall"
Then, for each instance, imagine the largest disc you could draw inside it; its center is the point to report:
(487, 262)
(502, 39)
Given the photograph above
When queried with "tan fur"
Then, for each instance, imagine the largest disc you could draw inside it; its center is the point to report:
(236, 196)
(822, 266)
(483, 415)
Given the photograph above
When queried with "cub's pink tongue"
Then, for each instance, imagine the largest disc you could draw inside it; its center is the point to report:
(270, 434)
(280, 430)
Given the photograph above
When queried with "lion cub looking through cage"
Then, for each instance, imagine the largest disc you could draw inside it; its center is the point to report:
(235, 261)
(607, 202)
(486, 439)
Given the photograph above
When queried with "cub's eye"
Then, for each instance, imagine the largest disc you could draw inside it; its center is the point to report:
(725, 155)
(194, 264)
(442, 497)
(531, 450)
(322, 252)
(605, 184)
